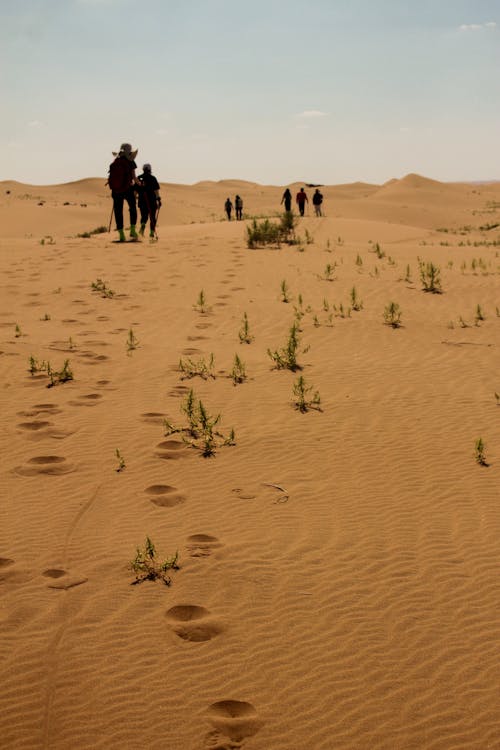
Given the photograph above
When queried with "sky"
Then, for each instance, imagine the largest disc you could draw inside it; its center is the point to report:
(271, 91)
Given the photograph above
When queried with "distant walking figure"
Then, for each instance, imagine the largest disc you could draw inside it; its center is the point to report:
(301, 200)
(287, 200)
(228, 207)
(122, 182)
(238, 206)
(148, 189)
(317, 201)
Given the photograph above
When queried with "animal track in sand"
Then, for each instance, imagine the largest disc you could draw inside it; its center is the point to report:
(49, 465)
(197, 338)
(171, 449)
(91, 358)
(233, 719)
(165, 496)
(153, 417)
(202, 545)
(61, 579)
(90, 399)
(37, 409)
(193, 623)
(244, 495)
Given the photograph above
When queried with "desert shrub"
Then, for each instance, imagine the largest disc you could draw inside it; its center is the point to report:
(147, 566)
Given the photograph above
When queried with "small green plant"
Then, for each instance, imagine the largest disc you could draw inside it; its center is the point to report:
(132, 341)
(497, 397)
(190, 369)
(497, 312)
(269, 233)
(201, 303)
(48, 239)
(101, 286)
(97, 230)
(356, 303)
(309, 238)
(200, 432)
(121, 461)
(430, 277)
(462, 323)
(326, 306)
(479, 453)
(286, 358)
(378, 251)
(58, 376)
(392, 315)
(408, 278)
(17, 331)
(238, 373)
(36, 366)
(147, 567)
(359, 260)
(285, 297)
(328, 272)
(244, 332)
(45, 317)
(301, 392)
(316, 322)
(71, 343)
(479, 316)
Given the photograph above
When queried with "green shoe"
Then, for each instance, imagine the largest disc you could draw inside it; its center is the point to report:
(142, 229)
(152, 234)
(121, 236)
(133, 233)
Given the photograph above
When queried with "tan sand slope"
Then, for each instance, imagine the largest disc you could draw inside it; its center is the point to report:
(338, 583)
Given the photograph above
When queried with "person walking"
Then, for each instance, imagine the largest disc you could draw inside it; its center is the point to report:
(228, 207)
(301, 200)
(122, 181)
(238, 206)
(317, 201)
(148, 190)
(287, 200)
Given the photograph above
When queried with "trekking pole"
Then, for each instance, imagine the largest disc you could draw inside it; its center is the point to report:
(156, 221)
(111, 217)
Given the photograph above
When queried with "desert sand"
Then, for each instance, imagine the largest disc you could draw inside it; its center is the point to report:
(338, 583)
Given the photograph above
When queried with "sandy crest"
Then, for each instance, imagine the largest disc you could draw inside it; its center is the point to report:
(357, 606)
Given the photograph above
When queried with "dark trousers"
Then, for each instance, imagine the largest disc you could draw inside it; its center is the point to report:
(147, 207)
(288, 205)
(239, 213)
(118, 199)
(302, 206)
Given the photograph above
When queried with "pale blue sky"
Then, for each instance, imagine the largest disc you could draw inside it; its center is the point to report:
(320, 90)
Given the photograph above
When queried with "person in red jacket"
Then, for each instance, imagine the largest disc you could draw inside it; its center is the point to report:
(301, 200)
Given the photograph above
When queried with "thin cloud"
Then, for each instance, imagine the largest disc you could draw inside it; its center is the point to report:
(311, 114)
(478, 26)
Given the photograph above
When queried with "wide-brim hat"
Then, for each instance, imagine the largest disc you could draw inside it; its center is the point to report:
(127, 151)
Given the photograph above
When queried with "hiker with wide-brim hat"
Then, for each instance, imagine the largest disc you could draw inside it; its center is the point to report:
(148, 189)
(122, 181)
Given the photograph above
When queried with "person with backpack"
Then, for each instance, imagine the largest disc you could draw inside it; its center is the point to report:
(228, 207)
(238, 205)
(287, 200)
(148, 190)
(317, 201)
(122, 181)
(301, 200)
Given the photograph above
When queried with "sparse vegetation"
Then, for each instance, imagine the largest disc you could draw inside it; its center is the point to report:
(392, 315)
(284, 291)
(328, 272)
(301, 391)
(132, 341)
(479, 453)
(479, 315)
(244, 333)
(104, 290)
(378, 251)
(430, 277)
(59, 376)
(97, 230)
(269, 233)
(147, 566)
(190, 369)
(200, 432)
(356, 303)
(121, 461)
(238, 373)
(17, 331)
(201, 303)
(286, 358)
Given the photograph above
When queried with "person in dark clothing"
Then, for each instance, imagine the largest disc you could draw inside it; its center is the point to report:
(228, 207)
(287, 200)
(301, 200)
(238, 205)
(148, 190)
(122, 182)
(317, 201)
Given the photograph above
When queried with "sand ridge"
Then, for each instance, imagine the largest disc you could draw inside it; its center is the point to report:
(338, 582)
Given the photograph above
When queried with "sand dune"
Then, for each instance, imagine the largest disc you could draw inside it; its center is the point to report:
(338, 582)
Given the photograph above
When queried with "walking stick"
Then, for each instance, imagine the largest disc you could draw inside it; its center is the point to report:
(156, 221)
(111, 217)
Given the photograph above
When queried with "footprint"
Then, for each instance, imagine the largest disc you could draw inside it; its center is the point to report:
(35, 425)
(61, 579)
(244, 495)
(165, 496)
(193, 623)
(202, 326)
(201, 545)
(179, 390)
(50, 465)
(197, 338)
(190, 352)
(170, 449)
(153, 417)
(234, 719)
(89, 399)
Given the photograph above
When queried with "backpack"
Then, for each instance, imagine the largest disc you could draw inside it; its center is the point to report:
(119, 179)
